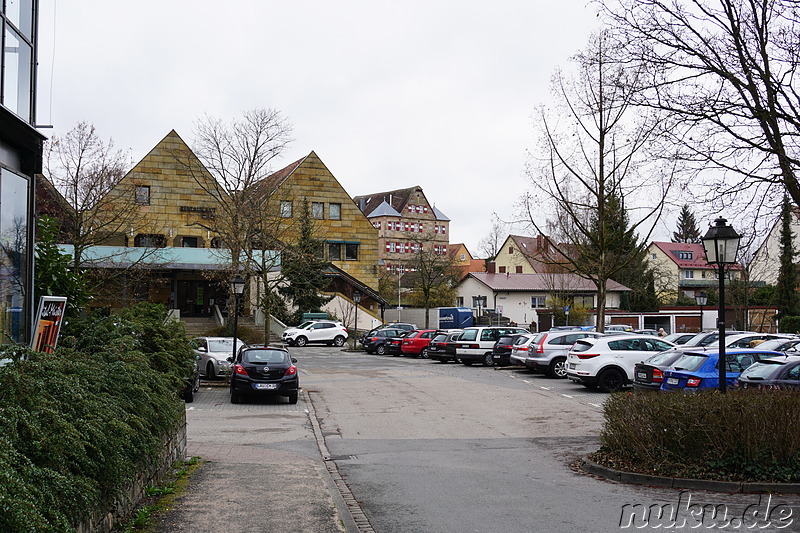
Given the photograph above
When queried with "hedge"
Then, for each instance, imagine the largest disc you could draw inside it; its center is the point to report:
(744, 435)
(76, 425)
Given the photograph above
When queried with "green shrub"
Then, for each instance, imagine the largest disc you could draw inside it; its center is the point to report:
(78, 425)
(744, 435)
(790, 324)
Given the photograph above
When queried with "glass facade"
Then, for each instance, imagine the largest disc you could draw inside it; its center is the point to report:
(14, 257)
(17, 58)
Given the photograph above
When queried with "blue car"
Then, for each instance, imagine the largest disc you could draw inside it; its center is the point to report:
(699, 370)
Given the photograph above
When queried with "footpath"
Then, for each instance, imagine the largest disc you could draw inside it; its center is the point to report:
(262, 471)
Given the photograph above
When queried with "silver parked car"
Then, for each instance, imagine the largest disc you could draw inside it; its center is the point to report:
(214, 353)
(547, 351)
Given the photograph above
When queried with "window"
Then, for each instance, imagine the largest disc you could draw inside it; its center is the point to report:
(335, 211)
(351, 252)
(653, 256)
(143, 194)
(537, 302)
(518, 269)
(479, 301)
(334, 251)
(189, 242)
(15, 262)
(377, 225)
(687, 256)
(583, 301)
(510, 249)
(463, 257)
(286, 208)
(318, 210)
(149, 240)
(688, 274)
(501, 270)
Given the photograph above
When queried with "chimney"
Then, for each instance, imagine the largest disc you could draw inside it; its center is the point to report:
(539, 243)
(491, 267)
(362, 204)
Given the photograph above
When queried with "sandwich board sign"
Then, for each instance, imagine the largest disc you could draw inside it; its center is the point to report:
(48, 323)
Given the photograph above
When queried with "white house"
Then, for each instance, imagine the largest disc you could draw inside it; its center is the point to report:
(521, 297)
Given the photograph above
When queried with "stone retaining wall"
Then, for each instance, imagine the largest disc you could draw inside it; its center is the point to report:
(150, 474)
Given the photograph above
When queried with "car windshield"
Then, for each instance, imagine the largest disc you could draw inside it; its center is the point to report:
(762, 370)
(222, 345)
(265, 356)
(690, 362)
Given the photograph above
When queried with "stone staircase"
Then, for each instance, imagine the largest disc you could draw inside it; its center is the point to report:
(198, 326)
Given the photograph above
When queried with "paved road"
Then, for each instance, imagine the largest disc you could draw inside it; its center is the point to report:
(425, 446)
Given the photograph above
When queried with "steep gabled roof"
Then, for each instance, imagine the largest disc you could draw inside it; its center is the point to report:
(397, 199)
(276, 179)
(540, 253)
(439, 215)
(698, 260)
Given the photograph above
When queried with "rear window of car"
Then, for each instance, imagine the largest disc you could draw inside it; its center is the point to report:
(265, 356)
(690, 362)
(581, 346)
(505, 339)
(762, 370)
(663, 358)
(441, 337)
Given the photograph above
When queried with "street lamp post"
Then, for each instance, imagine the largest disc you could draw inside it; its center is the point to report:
(478, 301)
(399, 275)
(721, 243)
(357, 300)
(237, 287)
(702, 299)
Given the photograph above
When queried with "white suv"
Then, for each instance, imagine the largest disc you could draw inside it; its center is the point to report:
(327, 331)
(546, 352)
(607, 362)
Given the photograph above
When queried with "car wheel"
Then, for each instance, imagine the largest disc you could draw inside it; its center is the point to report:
(424, 353)
(610, 380)
(557, 368)
(235, 397)
(300, 341)
(338, 341)
(380, 349)
(210, 374)
(488, 360)
(293, 398)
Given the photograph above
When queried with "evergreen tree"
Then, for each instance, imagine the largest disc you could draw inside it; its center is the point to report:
(687, 227)
(54, 274)
(786, 290)
(303, 267)
(623, 244)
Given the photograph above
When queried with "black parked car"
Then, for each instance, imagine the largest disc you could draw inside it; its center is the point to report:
(649, 374)
(264, 370)
(501, 352)
(376, 340)
(443, 346)
(394, 344)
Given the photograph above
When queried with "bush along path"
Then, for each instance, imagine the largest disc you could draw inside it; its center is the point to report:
(77, 426)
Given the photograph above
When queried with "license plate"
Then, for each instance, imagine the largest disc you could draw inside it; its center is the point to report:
(266, 386)
(641, 375)
(672, 381)
(572, 366)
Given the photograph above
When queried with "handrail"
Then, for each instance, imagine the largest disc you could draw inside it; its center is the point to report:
(218, 318)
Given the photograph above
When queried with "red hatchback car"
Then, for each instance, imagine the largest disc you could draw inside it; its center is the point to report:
(416, 343)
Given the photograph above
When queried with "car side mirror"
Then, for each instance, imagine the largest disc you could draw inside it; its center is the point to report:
(229, 359)
(201, 349)
(294, 360)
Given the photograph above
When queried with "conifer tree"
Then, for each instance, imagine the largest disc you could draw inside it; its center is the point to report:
(786, 293)
(303, 268)
(687, 227)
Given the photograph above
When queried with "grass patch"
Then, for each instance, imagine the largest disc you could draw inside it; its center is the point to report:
(161, 499)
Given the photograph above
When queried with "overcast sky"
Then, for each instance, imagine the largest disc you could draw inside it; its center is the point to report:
(389, 94)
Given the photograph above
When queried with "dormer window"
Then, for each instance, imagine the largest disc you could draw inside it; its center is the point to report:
(686, 256)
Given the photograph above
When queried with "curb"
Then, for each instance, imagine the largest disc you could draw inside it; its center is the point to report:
(633, 478)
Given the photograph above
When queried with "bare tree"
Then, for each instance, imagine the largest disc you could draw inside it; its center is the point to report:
(432, 273)
(490, 245)
(87, 171)
(591, 174)
(727, 69)
(238, 155)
